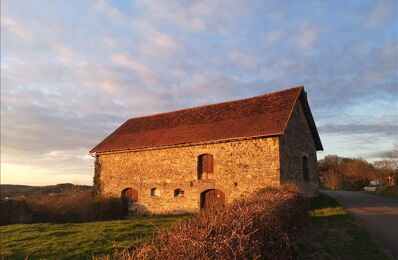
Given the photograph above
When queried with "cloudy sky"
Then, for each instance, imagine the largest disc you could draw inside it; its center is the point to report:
(73, 71)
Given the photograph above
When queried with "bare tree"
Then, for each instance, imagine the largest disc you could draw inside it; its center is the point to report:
(358, 172)
(392, 156)
(333, 179)
(387, 168)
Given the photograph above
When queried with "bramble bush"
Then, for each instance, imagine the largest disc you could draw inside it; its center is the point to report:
(262, 225)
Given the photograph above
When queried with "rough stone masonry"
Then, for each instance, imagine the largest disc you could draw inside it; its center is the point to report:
(253, 143)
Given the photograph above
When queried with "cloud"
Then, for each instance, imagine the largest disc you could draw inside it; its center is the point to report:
(244, 59)
(197, 15)
(390, 130)
(387, 154)
(155, 43)
(143, 71)
(109, 41)
(15, 28)
(65, 54)
(273, 36)
(306, 36)
(380, 12)
(23, 174)
(104, 6)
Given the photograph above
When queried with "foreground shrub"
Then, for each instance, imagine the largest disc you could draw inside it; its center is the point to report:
(74, 206)
(14, 212)
(260, 226)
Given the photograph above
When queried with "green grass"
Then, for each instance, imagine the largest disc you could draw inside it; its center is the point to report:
(77, 241)
(323, 186)
(333, 234)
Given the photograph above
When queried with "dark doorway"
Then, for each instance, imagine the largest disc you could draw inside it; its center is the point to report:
(212, 198)
(129, 196)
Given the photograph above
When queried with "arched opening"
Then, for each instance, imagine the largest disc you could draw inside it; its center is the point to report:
(155, 192)
(212, 198)
(306, 176)
(129, 197)
(178, 193)
(205, 167)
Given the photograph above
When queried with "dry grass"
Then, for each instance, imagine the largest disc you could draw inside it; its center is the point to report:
(260, 226)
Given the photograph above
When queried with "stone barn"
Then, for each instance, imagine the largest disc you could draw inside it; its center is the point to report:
(194, 158)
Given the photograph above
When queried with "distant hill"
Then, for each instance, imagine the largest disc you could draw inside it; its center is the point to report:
(13, 191)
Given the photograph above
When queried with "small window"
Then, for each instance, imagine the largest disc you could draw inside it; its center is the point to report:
(155, 192)
(205, 167)
(178, 193)
(306, 176)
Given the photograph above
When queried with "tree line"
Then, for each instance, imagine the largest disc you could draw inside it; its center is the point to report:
(355, 173)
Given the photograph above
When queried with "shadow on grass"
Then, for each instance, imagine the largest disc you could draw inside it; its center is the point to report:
(333, 234)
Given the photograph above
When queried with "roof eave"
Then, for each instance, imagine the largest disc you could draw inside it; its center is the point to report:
(93, 152)
(311, 122)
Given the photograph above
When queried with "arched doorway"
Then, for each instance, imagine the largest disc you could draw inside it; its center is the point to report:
(129, 196)
(212, 198)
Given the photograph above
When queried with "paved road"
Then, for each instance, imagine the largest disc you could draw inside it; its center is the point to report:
(378, 215)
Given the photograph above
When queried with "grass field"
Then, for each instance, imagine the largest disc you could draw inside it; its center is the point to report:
(330, 234)
(76, 241)
(333, 234)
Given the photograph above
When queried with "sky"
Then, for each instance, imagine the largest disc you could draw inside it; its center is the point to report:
(73, 71)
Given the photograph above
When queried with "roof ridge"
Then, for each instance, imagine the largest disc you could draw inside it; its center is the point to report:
(215, 104)
(261, 115)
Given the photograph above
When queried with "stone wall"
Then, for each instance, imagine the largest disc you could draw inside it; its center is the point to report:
(297, 142)
(239, 167)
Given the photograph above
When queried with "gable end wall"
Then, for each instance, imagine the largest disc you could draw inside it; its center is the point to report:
(297, 142)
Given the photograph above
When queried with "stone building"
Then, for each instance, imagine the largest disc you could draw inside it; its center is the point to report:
(194, 158)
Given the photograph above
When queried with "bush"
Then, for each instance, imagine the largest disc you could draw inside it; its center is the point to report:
(74, 206)
(260, 226)
(14, 212)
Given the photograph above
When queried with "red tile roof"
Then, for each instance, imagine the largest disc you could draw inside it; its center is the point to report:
(263, 115)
